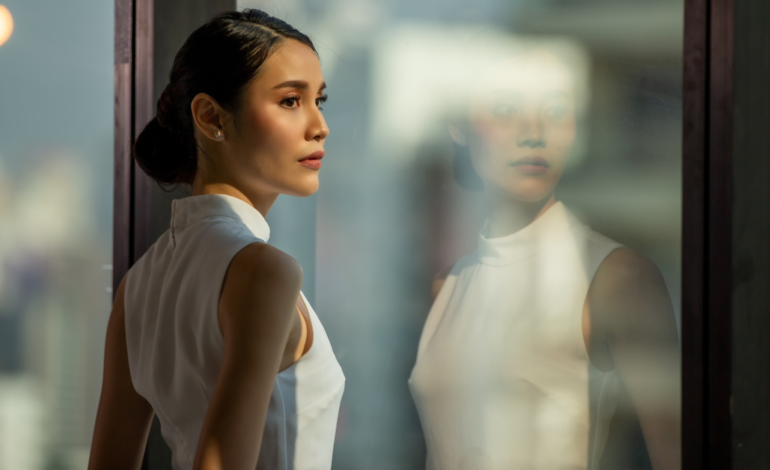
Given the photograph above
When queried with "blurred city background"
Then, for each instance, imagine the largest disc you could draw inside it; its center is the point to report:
(56, 150)
(388, 217)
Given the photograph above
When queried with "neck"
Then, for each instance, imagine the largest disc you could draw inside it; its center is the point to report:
(508, 215)
(260, 201)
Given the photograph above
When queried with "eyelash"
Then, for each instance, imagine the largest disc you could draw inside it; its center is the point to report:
(321, 99)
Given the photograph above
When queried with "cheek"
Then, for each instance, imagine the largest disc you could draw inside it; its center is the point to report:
(489, 138)
(486, 162)
(272, 143)
(561, 139)
(272, 132)
(563, 134)
(493, 132)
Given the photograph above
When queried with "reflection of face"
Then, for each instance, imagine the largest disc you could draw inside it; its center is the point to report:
(280, 123)
(522, 126)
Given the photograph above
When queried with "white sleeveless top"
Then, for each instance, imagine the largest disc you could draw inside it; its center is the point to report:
(175, 346)
(502, 379)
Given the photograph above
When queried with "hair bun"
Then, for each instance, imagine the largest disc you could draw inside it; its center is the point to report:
(165, 154)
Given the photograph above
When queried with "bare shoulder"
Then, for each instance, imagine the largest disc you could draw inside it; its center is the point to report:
(265, 263)
(261, 278)
(438, 281)
(628, 291)
(626, 270)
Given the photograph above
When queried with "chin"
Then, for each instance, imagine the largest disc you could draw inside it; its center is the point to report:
(531, 197)
(531, 192)
(307, 193)
(304, 189)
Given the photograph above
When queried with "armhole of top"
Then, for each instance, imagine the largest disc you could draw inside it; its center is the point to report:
(304, 311)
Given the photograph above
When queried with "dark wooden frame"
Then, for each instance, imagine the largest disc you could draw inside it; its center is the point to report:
(707, 235)
(121, 237)
(707, 205)
(134, 108)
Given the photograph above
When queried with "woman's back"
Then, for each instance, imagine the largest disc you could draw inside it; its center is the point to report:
(175, 345)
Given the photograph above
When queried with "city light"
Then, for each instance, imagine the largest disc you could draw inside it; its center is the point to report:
(6, 24)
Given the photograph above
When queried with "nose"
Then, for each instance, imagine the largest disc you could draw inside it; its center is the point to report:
(317, 129)
(531, 133)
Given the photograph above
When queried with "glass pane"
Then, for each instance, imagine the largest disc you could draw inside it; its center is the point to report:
(56, 148)
(521, 160)
(750, 213)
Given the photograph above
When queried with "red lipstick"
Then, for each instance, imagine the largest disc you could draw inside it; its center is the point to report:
(313, 161)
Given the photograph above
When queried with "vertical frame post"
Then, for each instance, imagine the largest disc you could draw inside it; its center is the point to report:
(144, 111)
(706, 235)
(133, 110)
(719, 229)
(122, 239)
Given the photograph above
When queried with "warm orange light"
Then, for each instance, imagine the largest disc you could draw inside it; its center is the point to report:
(6, 24)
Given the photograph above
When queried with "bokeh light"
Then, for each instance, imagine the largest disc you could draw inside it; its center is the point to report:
(6, 24)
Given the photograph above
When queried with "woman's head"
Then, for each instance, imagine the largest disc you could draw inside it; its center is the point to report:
(520, 127)
(241, 108)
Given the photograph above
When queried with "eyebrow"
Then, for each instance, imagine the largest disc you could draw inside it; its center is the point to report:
(298, 84)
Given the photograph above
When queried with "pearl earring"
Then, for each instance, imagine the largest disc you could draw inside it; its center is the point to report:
(219, 135)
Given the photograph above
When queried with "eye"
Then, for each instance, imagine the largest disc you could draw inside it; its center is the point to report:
(290, 101)
(321, 99)
(504, 109)
(556, 111)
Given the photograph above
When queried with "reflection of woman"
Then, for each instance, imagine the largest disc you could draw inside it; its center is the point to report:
(209, 330)
(531, 337)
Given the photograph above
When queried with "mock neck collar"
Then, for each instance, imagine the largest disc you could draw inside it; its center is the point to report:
(191, 209)
(527, 242)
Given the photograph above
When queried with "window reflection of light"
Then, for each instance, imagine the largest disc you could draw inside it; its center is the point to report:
(6, 24)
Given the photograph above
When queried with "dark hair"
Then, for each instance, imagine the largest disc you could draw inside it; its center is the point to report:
(220, 58)
(464, 173)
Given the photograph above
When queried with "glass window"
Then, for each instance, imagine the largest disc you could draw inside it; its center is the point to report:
(523, 161)
(56, 162)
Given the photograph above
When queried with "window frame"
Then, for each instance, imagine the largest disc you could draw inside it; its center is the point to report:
(707, 234)
(706, 205)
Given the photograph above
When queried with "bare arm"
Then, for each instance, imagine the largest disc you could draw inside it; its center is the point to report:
(632, 318)
(124, 417)
(257, 309)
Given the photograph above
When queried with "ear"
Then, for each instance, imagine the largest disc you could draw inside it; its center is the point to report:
(459, 135)
(209, 117)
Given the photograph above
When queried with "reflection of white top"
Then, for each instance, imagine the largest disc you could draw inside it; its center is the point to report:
(502, 379)
(175, 346)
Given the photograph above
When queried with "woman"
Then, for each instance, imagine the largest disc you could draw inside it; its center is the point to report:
(530, 338)
(209, 330)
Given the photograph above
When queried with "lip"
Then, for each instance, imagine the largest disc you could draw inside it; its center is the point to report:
(531, 165)
(313, 161)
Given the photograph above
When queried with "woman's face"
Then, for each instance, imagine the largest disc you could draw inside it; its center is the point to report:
(522, 126)
(279, 130)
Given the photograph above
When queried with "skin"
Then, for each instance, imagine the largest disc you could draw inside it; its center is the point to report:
(526, 108)
(278, 123)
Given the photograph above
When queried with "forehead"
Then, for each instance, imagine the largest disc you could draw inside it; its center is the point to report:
(532, 74)
(291, 60)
